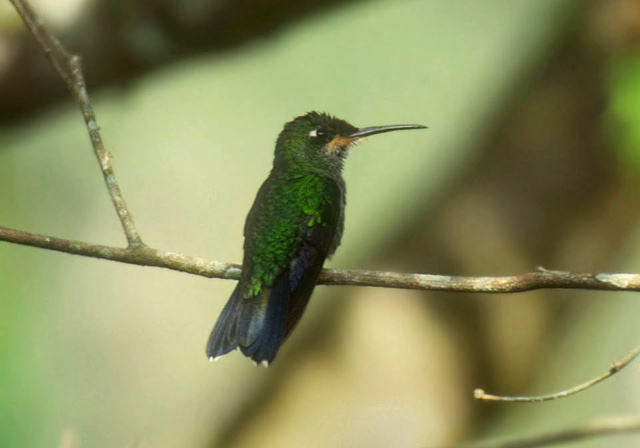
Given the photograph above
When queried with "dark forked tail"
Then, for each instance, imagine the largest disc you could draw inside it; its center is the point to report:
(256, 326)
(259, 325)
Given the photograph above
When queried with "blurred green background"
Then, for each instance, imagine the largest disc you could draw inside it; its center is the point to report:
(531, 159)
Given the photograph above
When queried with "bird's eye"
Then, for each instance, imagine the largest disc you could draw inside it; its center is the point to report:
(316, 133)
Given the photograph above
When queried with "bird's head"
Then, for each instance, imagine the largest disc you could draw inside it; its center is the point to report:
(322, 141)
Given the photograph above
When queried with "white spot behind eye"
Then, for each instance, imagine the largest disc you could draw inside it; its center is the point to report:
(313, 133)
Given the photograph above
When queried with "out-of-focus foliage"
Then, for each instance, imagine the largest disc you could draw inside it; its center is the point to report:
(624, 112)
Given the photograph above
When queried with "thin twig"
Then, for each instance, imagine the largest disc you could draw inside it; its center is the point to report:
(601, 426)
(615, 368)
(69, 69)
(148, 256)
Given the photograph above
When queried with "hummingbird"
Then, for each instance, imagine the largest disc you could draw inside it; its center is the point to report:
(295, 223)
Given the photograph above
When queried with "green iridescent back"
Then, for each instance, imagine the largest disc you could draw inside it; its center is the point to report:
(288, 208)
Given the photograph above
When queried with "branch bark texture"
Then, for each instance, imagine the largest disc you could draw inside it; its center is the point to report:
(147, 256)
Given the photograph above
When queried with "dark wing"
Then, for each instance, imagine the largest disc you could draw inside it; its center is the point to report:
(317, 241)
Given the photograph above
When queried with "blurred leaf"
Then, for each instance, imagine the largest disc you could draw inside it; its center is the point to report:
(624, 113)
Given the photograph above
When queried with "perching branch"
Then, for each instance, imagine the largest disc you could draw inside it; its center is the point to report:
(144, 255)
(141, 254)
(615, 368)
(601, 426)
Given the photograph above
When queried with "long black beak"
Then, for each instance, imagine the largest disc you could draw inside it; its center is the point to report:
(363, 132)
